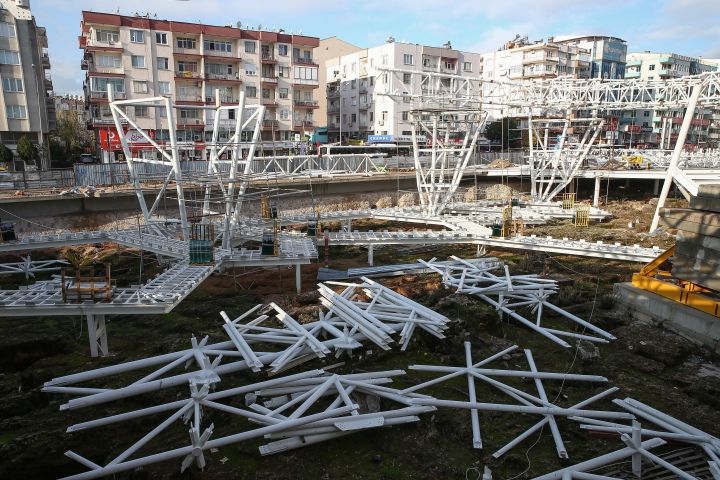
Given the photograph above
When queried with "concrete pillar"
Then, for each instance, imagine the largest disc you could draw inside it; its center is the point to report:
(596, 194)
(370, 254)
(97, 335)
(298, 278)
(656, 186)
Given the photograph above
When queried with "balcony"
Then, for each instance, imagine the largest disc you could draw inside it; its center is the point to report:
(363, 89)
(188, 122)
(430, 66)
(269, 102)
(187, 75)
(218, 53)
(303, 123)
(629, 74)
(364, 105)
(304, 81)
(333, 93)
(270, 125)
(268, 58)
(193, 52)
(223, 77)
(270, 80)
(223, 99)
(104, 95)
(333, 109)
(45, 60)
(306, 103)
(84, 65)
(189, 98)
(92, 44)
(669, 72)
(114, 71)
(305, 61)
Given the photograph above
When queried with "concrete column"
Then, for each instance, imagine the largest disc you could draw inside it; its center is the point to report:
(596, 194)
(370, 254)
(656, 186)
(298, 278)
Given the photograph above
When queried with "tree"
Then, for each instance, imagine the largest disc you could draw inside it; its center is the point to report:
(6, 155)
(505, 131)
(71, 137)
(27, 150)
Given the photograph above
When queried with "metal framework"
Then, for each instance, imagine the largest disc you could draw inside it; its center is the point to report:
(563, 94)
(507, 292)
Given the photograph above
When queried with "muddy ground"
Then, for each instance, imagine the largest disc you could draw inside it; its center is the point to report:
(647, 363)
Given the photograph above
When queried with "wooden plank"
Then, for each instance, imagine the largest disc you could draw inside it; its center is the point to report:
(705, 203)
(709, 190)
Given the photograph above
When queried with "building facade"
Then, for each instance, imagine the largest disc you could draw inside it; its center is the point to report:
(328, 54)
(25, 71)
(193, 64)
(354, 112)
(655, 128)
(607, 54)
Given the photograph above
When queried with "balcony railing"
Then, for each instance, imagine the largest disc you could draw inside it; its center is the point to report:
(223, 99)
(188, 121)
(304, 81)
(333, 93)
(270, 124)
(306, 103)
(268, 79)
(219, 53)
(304, 61)
(303, 123)
(268, 57)
(104, 95)
(111, 70)
(188, 51)
(187, 74)
(188, 98)
(333, 109)
(222, 76)
(268, 101)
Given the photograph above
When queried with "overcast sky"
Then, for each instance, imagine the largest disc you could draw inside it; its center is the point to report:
(688, 27)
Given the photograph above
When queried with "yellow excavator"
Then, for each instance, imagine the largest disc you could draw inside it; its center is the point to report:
(634, 161)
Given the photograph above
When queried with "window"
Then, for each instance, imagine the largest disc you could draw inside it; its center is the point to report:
(284, 72)
(353, 118)
(283, 92)
(251, 91)
(137, 61)
(306, 73)
(7, 29)
(137, 36)
(140, 87)
(283, 50)
(249, 47)
(218, 46)
(450, 65)
(218, 69)
(250, 69)
(99, 84)
(142, 111)
(187, 66)
(162, 113)
(646, 113)
(266, 93)
(183, 42)
(164, 88)
(407, 59)
(16, 111)
(384, 59)
(12, 84)
(182, 113)
(9, 57)
(107, 36)
(467, 66)
(353, 67)
(162, 63)
(372, 116)
(405, 116)
(406, 77)
(284, 114)
(161, 38)
(112, 61)
(651, 67)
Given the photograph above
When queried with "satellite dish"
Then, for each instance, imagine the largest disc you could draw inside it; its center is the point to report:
(238, 24)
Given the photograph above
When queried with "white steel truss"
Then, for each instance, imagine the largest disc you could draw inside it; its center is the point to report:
(507, 292)
(30, 267)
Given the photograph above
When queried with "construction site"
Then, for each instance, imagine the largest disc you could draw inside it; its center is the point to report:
(548, 315)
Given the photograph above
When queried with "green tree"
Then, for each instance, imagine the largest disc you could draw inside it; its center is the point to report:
(505, 131)
(27, 150)
(6, 155)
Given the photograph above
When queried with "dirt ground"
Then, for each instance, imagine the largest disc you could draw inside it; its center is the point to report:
(646, 362)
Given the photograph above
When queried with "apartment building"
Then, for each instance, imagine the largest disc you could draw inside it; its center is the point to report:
(194, 63)
(71, 103)
(24, 68)
(353, 109)
(520, 60)
(653, 128)
(607, 54)
(327, 54)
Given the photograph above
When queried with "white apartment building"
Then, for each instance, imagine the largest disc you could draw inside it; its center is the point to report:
(659, 128)
(26, 83)
(354, 111)
(192, 63)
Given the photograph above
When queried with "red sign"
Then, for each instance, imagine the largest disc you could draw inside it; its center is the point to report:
(110, 140)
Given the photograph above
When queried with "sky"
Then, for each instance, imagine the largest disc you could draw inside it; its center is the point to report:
(687, 27)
